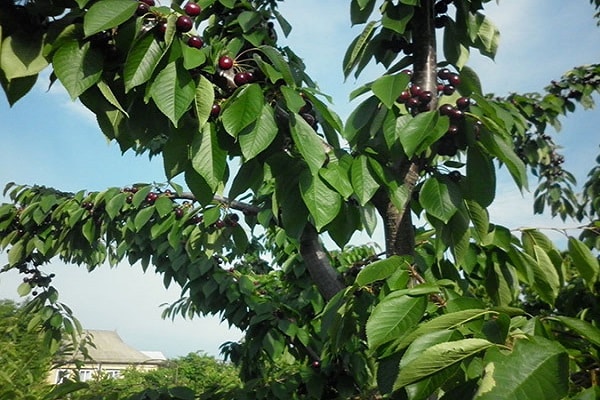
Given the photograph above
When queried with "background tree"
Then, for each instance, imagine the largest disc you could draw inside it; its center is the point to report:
(194, 372)
(26, 362)
(440, 313)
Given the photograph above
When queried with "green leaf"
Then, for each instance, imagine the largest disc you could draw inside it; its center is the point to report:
(360, 118)
(261, 136)
(357, 48)
(414, 133)
(66, 387)
(448, 321)
(380, 270)
(142, 217)
(110, 96)
(141, 61)
(163, 205)
(480, 218)
(16, 253)
(393, 317)
(397, 18)
(106, 14)
(249, 19)
(584, 261)
(488, 36)
(454, 50)
(208, 158)
(286, 28)
(363, 182)
(173, 91)
(388, 87)
(543, 371)
(17, 87)
(480, 183)
(427, 386)
(175, 153)
(279, 63)
(360, 11)
(243, 109)
(438, 357)
(505, 153)
(21, 55)
(24, 289)
(440, 198)
(322, 202)
(114, 205)
(547, 279)
(293, 100)
(204, 100)
(77, 66)
(337, 176)
(581, 327)
(308, 143)
(469, 82)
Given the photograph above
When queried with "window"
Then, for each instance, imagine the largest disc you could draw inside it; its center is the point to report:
(112, 373)
(86, 374)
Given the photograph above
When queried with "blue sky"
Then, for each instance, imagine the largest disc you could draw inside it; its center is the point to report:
(47, 139)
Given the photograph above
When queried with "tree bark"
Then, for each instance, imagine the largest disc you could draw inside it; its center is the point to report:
(319, 267)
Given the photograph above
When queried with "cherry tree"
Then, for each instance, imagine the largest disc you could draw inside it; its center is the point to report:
(456, 307)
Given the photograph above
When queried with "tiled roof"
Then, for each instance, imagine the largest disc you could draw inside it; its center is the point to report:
(110, 348)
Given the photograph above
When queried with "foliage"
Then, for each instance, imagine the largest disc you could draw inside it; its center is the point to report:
(456, 308)
(26, 362)
(198, 373)
(26, 356)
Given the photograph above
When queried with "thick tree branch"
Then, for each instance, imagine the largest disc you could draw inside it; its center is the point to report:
(321, 271)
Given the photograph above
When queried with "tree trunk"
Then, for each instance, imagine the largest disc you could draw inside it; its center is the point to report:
(399, 230)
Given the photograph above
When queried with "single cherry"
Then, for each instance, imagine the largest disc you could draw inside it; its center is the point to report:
(463, 103)
(446, 109)
(142, 9)
(425, 97)
(404, 96)
(215, 110)
(225, 62)
(449, 90)
(195, 42)
(444, 73)
(184, 23)
(241, 78)
(192, 9)
(415, 90)
(454, 79)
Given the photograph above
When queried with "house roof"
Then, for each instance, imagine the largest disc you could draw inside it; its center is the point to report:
(110, 348)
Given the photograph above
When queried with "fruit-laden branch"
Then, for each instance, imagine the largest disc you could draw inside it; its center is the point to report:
(325, 277)
(233, 204)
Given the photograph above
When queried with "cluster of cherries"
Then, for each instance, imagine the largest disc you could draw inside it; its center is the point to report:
(36, 278)
(417, 100)
(183, 24)
(550, 169)
(230, 220)
(441, 8)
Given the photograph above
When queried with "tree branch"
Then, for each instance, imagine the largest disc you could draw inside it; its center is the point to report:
(319, 267)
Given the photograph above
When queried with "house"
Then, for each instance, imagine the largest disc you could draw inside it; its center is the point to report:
(108, 357)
